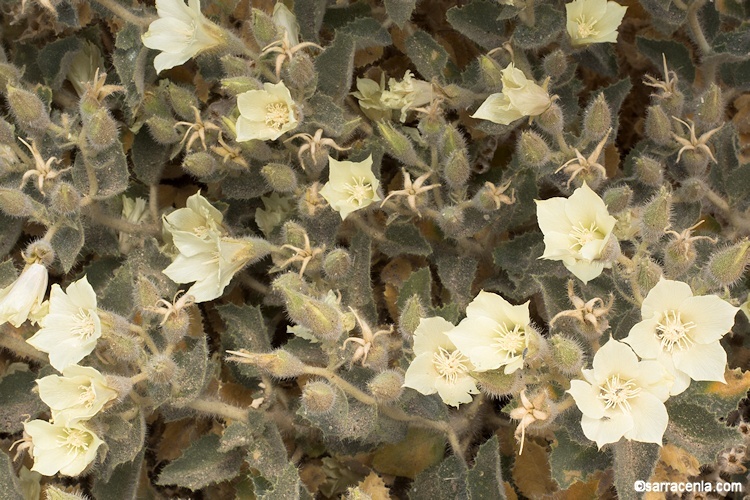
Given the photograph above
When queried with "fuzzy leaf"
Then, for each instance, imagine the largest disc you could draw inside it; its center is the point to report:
(599, 57)
(10, 230)
(418, 283)
(669, 15)
(531, 471)
(485, 479)
(678, 57)
(124, 439)
(245, 329)
(192, 372)
(67, 242)
(10, 486)
(696, 428)
(123, 483)
(149, 158)
(457, 275)
(446, 480)
(358, 293)
(428, 56)
(18, 400)
(633, 461)
(400, 10)
(571, 462)
(550, 22)
(480, 21)
(404, 239)
(202, 465)
(309, 16)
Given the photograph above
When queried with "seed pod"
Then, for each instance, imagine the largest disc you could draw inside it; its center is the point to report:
(597, 119)
(387, 386)
(649, 171)
(656, 215)
(551, 121)
(728, 265)
(29, 111)
(337, 264)
(318, 397)
(566, 355)
(532, 149)
(658, 126)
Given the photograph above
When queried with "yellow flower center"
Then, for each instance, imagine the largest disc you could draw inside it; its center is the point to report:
(586, 27)
(449, 365)
(85, 326)
(583, 235)
(513, 342)
(671, 331)
(616, 392)
(277, 115)
(77, 441)
(359, 191)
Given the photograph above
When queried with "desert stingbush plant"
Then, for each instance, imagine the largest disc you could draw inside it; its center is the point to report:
(314, 249)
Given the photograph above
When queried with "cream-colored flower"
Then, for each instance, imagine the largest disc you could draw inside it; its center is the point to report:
(134, 211)
(407, 94)
(265, 114)
(520, 97)
(180, 33)
(20, 299)
(682, 332)
(211, 264)
(71, 329)
(84, 67)
(351, 186)
(593, 21)
(368, 94)
(78, 395)
(622, 397)
(494, 333)
(58, 447)
(577, 231)
(438, 365)
(193, 225)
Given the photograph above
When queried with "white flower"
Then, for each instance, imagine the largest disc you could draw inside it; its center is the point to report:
(265, 114)
(407, 94)
(622, 397)
(576, 231)
(193, 225)
(369, 93)
(494, 333)
(438, 365)
(134, 211)
(57, 447)
(351, 185)
(21, 298)
(180, 33)
(212, 264)
(593, 21)
(78, 395)
(682, 332)
(286, 21)
(70, 331)
(520, 97)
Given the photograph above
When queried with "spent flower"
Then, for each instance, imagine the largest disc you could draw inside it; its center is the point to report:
(20, 299)
(682, 332)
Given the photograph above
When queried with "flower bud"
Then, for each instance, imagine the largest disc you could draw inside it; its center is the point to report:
(16, 203)
(647, 273)
(318, 397)
(162, 130)
(101, 129)
(411, 314)
(710, 109)
(555, 63)
(457, 169)
(617, 198)
(161, 369)
(337, 264)
(728, 265)
(200, 165)
(492, 73)
(323, 320)
(398, 145)
(532, 149)
(566, 355)
(496, 383)
(29, 111)
(9, 75)
(387, 386)
(649, 171)
(237, 85)
(656, 215)
(280, 177)
(597, 119)
(658, 126)
(452, 140)
(65, 199)
(40, 251)
(679, 256)
(294, 234)
(551, 121)
(183, 101)
(264, 29)
(279, 363)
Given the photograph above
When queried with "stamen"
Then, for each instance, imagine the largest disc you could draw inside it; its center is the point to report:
(672, 331)
(449, 365)
(615, 393)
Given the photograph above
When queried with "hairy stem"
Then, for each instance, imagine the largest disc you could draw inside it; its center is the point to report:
(99, 217)
(124, 13)
(695, 27)
(11, 341)
(219, 408)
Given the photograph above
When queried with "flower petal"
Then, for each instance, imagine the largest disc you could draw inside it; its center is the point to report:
(702, 361)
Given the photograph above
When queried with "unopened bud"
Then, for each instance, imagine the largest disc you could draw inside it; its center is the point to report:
(323, 320)
(16, 203)
(453, 140)
(411, 314)
(710, 109)
(279, 363)
(264, 29)
(555, 63)
(387, 386)
(101, 130)
(40, 251)
(183, 101)
(161, 369)
(201, 164)
(496, 383)
(65, 199)
(398, 145)
(532, 149)
(597, 119)
(649, 171)
(551, 121)
(236, 85)
(492, 73)
(617, 198)
(162, 130)
(656, 215)
(728, 265)
(29, 111)
(679, 256)
(9, 75)
(337, 264)
(647, 273)
(457, 169)
(566, 355)
(280, 177)
(658, 126)
(319, 397)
